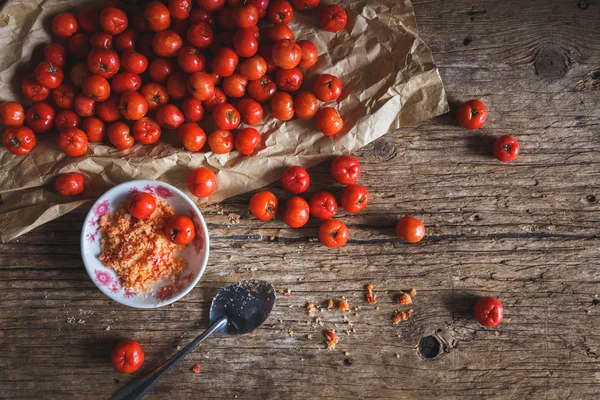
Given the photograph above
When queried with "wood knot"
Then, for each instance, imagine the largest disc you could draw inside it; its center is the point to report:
(429, 347)
(590, 198)
(467, 41)
(583, 4)
(383, 149)
(550, 63)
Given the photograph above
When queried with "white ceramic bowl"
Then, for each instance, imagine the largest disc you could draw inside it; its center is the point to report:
(166, 291)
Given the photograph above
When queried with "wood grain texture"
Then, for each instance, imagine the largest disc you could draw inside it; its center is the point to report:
(526, 232)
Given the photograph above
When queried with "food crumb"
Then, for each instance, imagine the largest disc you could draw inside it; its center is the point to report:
(356, 314)
(80, 321)
(233, 218)
(310, 306)
(291, 332)
(377, 308)
(271, 238)
(107, 328)
(412, 292)
(370, 295)
(343, 306)
(330, 304)
(401, 316)
(231, 256)
(309, 337)
(397, 355)
(287, 292)
(196, 369)
(369, 288)
(404, 298)
(178, 348)
(331, 338)
(346, 353)
(70, 320)
(347, 331)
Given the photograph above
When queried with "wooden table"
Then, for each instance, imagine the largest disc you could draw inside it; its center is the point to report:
(526, 232)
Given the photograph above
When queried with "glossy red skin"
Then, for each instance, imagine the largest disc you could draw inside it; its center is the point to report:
(169, 116)
(218, 97)
(157, 16)
(225, 19)
(282, 106)
(180, 230)
(64, 95)
(12, 114)
(56, 53)
(323, 205)
(198, 15)
(262, 6)
(69, 184)
(103, 62)
(250, 110)
(141, 205)
(295, 180)
(333, 233)
(32, 89)
(333, 18)
(108, 111)
(125, 81)
(146, 130)
(49, 75)
(66, 120)
(245, 16)
(296, 212)
(286, 54)
(306, 105)
(79, 73)
(506, 148)
(310, 54)
(191, 136)
(225, 116)
(167, 43)
(192, 109)
(225, 61)
(329, 121)
(119, 135)
(201, 86)
(133, 105)
(266, 52)
(84, 106)
(177, 85)
(138, 22)
(245, 43)
(127, 357)
(88, 19)
(235, 85)
(327, 87)
(345, 169)
(155, 94)
(220, 141)
(305, 5)
(126, 40)
(246, 140)
(40, 117)
(191, 60)
(19, 140)
(73, 142)
(64, 25)
(78, 46)
(200, 35)
(202, 182)
(96, 88)
(280, 12)
(355, 197)
(134, 62)
(278, 32)
(180, 9)
(94, 129)
(210, 5)
(410, 229)
(289, 80)
(113, 20)
(262, 89)
(488, 311)
(253, 68)
(471, 114)
(264, 205)
(160, 69)
(101, 40)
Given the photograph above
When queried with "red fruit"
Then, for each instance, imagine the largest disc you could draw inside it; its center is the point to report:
(101, 40)
(245, 43)
(157, 15)
(225, 61)
(327, 87)
(289, 80)
(220, 141)
(488, 311)
(103, 62)
(12, 114)
(264, 205)
(40, 117)
(125, 81)
(180, 9)
(94, 129)
(262, 89)
(64, 25)
(108, 111)
(169, 116)
(160, 69)
(310, 54)
(180, 230)
(127, 357)
(96, 88)
(305, 5)
(305, 105)
(191, 60)
(329, 121)
(119, 135)
(66, 120)
(332, 18)
(506, 148)
(210, 5)
(323, 205)
(56, 54)
(253, 68)
(247, 140)
(177, 85)
(84, 106)
(49, 75)
(279, 32)
(250, 110)
(141, 205)
(296, 212)
(32, 89)
(88, 19)
(333, 233)
(201, 86)
(198, 15)
(286, 54)
(235, 85)
(126, 40)
(245, 16)
(192, 109)
(410, 229)
(19, 140)
(345, 169)
(202, 182)
(218, 97)
(156, 95)
(282, 106)
(200, 35)
(295, 180)
(146, 130)
(113, 20)
(354, 198)
(167, 43)
(192, 136)
(78, 46)
(471, 114)
(79, 73)
(69, 184)
(280, 12)
(226, 117)
(73, 142)
(133, 105)
(64, 95)
(134, 62)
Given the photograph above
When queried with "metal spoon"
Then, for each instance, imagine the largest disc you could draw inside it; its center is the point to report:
(236, 309)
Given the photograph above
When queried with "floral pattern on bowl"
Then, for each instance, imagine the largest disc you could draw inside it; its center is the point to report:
(166, 291)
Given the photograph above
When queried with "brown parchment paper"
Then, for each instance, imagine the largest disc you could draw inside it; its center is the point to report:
(390, 80)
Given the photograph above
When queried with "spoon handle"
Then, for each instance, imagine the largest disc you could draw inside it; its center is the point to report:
(140, 387)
